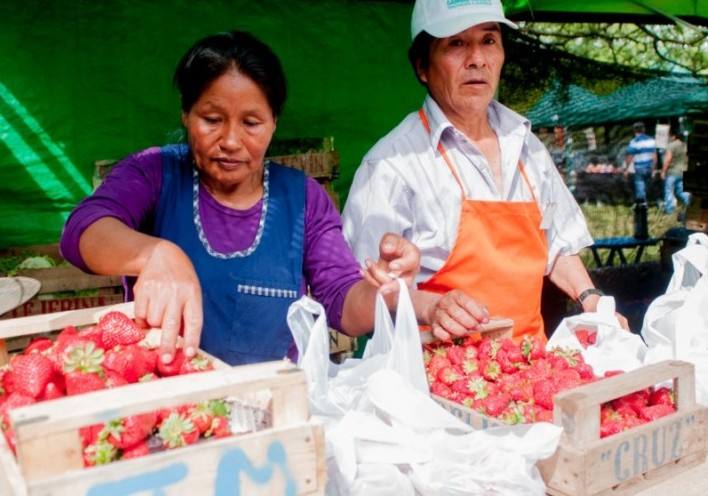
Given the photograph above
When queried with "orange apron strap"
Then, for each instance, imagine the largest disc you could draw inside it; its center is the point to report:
(443, 152)
(522, 169)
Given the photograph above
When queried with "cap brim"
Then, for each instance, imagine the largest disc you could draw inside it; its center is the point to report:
(457, 25)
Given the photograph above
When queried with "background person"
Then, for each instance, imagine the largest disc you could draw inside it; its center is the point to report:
(675, 163)
(641, 154)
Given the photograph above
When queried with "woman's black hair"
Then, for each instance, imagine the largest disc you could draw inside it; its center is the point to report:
(214, 55)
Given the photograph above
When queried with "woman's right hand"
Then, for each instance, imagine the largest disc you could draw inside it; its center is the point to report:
(168, 296)
(456, 314)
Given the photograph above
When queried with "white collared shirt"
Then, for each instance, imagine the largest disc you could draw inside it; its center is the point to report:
(404, 186)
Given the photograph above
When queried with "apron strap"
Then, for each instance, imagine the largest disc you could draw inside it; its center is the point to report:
(443, 152)
(453, 168)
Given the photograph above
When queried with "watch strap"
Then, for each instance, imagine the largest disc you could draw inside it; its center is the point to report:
(588, 292)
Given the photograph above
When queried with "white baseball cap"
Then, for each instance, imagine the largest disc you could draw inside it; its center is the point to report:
(443, 18)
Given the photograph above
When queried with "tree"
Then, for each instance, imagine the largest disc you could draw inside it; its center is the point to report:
(675, 48)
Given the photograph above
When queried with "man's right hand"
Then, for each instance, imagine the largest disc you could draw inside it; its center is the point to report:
(168, 295)
(456, 314)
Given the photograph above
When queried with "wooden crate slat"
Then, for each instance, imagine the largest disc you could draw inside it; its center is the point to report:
(72, 412)
(294, 454)
(68, 278)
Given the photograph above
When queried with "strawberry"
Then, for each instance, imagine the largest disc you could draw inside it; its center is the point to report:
(611, 427)
(456, 354)
(128, 361)
(177, 430)
(437, 362)
(532, 349)
(38, 345)
(84, 372)
(653, 412)
(114, 379)
(470, 366)
(99, 453)
(662, 396)
(496, 404)
(117, 329)
(478, 387)
(636, 401)
(94, 334)
(31, 373)
(507, 365)
(543, 392)
(586, 337)
(488, 348)
(441, 389)
(612, 373)
(54, 389)
(566, 379)
(585, 370)
(90, 434)
(448, 375)
(198, 363)
(203, 414)
(140, 449)
(219, 428)
(66, 336)
(127, 432)
(470, 352)
(172, 368)
(491, 370)
(148, 377)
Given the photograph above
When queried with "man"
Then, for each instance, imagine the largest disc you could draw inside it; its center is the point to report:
(675, 163)
(467, 182)
(641, 154)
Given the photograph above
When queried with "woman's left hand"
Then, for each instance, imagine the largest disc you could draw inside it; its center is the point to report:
(398, 257)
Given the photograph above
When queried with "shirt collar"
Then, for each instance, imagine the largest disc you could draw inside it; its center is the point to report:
(503, 120)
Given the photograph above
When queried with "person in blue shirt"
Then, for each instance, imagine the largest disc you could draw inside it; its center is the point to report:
(641, 153)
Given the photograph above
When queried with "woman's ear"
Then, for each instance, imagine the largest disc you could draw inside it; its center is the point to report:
(184, 119)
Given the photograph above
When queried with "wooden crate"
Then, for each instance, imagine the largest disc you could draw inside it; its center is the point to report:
(625, 463)
(697, 213)
(56, 280)
(320, 165)
(287, 457)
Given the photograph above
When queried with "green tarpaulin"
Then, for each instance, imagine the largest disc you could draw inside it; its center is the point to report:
(645, 11)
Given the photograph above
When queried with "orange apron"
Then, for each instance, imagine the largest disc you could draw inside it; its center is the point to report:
(499, 257)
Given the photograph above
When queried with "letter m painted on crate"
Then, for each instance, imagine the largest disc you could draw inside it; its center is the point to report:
(234, 462)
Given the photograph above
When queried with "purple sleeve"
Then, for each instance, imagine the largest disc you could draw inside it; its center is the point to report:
(129, 193)
(329, 266)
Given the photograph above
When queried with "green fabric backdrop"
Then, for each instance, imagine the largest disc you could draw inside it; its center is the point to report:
(84, 80)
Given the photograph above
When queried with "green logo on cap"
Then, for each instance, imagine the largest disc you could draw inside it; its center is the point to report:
(451, 4)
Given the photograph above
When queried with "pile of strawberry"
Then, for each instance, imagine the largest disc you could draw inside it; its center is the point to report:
(113, 353)
(516, 383)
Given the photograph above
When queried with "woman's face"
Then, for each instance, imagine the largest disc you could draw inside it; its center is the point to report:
(229, 128)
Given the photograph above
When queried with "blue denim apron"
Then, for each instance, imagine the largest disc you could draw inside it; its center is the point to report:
(246, 297)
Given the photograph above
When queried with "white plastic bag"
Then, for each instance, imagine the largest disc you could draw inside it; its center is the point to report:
(676, 323)
(385, 435)
(614, 348)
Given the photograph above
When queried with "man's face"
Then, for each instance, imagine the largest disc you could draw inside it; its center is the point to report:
(464, 69)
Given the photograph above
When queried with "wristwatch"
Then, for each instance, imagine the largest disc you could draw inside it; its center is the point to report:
(588, 292)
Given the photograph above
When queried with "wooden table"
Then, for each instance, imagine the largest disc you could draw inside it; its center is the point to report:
(616, 246)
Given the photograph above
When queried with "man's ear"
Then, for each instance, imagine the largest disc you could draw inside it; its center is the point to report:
(420, 70)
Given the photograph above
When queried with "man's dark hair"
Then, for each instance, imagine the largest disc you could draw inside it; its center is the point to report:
(213, 56)
(638, 127)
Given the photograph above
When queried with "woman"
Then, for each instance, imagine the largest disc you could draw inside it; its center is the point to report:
(218, 238)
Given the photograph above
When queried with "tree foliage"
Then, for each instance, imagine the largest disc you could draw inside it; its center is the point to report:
(674, 48)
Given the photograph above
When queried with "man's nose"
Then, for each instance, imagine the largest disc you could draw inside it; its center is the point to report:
(474, 56)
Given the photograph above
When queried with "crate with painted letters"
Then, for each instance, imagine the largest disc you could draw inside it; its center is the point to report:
(625, 463)
(275, 448)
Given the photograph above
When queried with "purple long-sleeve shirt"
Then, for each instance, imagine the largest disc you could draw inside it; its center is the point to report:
(131, 193)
